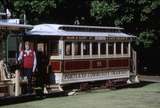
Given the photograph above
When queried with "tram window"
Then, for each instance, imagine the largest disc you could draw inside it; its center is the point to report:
(125, 47)
(94, 48)
(53, 47)
(110, 48)
(103, 48)
(68, 48)
(118, 48)
(77, 48)
(86, 48)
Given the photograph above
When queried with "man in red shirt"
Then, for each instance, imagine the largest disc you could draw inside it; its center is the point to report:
(28, 57)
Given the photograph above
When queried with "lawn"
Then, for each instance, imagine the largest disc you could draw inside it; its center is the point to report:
(147, 96)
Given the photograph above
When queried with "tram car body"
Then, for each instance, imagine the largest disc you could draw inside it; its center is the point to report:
(80, 54)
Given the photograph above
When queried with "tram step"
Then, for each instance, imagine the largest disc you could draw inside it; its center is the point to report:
(54, 88)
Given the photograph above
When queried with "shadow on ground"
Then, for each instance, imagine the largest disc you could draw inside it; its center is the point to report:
(135, 85)
(27, 98)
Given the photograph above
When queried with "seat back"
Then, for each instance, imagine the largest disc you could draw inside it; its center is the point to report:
(3, 71)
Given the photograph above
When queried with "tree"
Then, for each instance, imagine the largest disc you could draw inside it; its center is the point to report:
(146, 38)
(1, 7)
(67, 11)
(35, 10)
(138, 17)
(104, 12)
(52, 11)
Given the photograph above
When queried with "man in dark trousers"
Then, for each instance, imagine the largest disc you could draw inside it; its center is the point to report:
(29, 62)
(42, 62)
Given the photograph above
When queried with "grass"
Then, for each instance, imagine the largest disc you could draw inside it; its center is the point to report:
(147, 96)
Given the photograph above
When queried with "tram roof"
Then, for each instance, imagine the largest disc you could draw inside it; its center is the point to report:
(2, 14)
(8, 26)
(76, 30)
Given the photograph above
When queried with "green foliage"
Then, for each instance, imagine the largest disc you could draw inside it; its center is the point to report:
(34, 9)
(1, 7)
(103, 10)
(146, 38)
(138, 17)
(147, 8)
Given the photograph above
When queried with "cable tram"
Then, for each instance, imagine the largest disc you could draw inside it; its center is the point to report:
(79, 54)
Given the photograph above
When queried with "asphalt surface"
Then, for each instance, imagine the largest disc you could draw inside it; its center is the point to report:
(149, 78)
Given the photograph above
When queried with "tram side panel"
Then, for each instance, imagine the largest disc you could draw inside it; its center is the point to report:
(76, 71)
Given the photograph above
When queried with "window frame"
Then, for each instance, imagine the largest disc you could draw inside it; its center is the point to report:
(127, 44)
(70, 52)
(118, 50)
(79, 48)
(51, 47)
(104, 48)
(87, 48)
(110, 43)
(96, 49)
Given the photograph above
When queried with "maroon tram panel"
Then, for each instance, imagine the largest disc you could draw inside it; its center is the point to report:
(99, 64)
(56, 66)
(88, 65)
(119, 63)
(76, 65)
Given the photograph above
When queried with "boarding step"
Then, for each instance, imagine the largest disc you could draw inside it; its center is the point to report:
(54, 88)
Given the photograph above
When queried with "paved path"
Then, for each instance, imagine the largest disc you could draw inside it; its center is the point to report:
(149, 78)
(146, 96)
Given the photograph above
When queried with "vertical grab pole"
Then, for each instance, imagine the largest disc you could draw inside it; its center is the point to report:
(17, 83)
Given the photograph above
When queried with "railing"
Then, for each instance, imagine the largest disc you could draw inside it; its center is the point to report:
(3, 14)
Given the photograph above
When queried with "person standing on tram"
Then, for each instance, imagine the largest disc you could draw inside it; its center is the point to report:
(42, 63)
(29, 62)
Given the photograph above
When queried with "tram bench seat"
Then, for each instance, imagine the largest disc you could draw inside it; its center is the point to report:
(3, 90)
(10, 81)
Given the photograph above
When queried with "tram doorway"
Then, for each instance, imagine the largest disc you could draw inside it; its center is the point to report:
(41, 74)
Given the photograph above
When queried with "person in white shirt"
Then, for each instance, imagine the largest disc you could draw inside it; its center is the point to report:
(29, 62)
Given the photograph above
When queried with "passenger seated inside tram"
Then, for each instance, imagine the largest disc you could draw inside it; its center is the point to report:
(68, 49)
(77, 48)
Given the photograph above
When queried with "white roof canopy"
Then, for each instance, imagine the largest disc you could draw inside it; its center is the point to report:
(2, 14)
(8, 26)
(54, 30)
